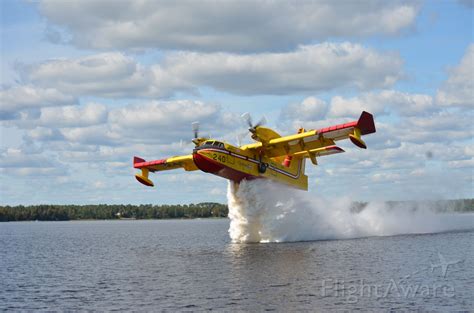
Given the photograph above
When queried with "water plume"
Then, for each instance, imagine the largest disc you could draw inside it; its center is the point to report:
(263, 211)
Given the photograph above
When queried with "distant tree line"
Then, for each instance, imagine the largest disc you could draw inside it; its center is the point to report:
(46, 212)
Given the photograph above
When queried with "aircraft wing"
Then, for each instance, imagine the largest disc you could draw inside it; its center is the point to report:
(318, 142)
(186, 162)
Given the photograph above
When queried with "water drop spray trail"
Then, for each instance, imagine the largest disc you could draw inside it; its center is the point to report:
(263, 211)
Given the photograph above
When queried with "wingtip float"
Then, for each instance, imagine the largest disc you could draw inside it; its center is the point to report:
(272, 156)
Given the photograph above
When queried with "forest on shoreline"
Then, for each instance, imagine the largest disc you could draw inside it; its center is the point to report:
(110, 211)
(46, 212)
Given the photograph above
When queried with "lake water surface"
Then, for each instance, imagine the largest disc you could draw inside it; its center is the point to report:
(192, 265)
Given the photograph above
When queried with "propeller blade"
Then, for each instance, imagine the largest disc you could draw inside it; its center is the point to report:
(195, 126)
(262, 121)
(240, 137)
(247, 118)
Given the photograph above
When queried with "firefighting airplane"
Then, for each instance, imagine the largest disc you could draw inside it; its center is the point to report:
(272, 156)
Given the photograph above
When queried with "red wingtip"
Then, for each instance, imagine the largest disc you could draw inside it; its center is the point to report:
(366, 123)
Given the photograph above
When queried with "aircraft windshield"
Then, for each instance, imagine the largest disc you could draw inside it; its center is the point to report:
(214, 144)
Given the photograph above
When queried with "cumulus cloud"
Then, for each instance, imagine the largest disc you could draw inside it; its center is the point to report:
(110, 74)
(92, 135)
(145, 122)
(314, 68)
(310, 109)
(29, 162)
(12, 157)
(232, 26)
(170, 121)
(315, 112)
(27, 97)
(458, 90)
(400, 118)
(42, 134)
(161, 114)
(73, 116)
(380, 103)
(441, 127)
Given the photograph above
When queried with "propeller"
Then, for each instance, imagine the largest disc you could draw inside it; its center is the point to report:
(198, 140)
(253, 127)
(247, 118)
(195, 126)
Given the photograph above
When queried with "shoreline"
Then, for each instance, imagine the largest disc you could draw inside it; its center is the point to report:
(121, 219)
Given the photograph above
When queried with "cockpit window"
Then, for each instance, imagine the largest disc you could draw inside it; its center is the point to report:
(213, 143)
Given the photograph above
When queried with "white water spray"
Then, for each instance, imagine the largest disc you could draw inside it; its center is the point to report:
(262, 211)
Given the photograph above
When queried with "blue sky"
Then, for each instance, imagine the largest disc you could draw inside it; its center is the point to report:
(86, 85)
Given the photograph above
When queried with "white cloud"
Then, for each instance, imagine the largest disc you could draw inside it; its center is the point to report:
(15, 99)
(316, 113)
(386, 177)
(314, 68)
(440, 127)
(73, 116)
(380, 103)
(87, 132)
(99, 184)
(110, 74)
(458, 90)
(20, 158)
(468, 164)
(95, 135)
(161, 114)
(41, 134)
(34, 172)
(28, 161)
(170, 121)
(310, 109)
(233, 26)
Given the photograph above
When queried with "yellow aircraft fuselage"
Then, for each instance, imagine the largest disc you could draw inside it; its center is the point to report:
(225, 160)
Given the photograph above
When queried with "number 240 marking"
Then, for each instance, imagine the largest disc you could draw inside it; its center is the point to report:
(221, 158)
